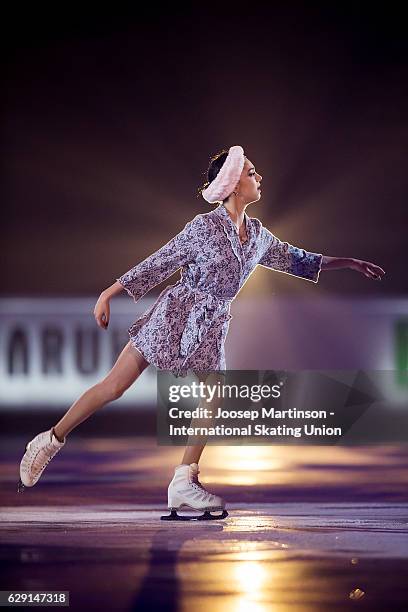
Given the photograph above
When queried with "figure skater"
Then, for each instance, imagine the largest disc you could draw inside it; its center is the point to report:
(186, 327)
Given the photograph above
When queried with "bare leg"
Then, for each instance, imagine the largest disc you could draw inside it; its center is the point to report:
(196, 445)
(193, 453)
(128, 367)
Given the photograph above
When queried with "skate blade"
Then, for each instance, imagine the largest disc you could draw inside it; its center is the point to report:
(207, 516)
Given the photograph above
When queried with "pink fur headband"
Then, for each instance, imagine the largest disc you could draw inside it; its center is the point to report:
(228, 176)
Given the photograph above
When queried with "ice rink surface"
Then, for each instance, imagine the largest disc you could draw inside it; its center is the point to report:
(317, 528)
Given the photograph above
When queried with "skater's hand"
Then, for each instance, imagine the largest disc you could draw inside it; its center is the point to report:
(368, 269)
(102, 312)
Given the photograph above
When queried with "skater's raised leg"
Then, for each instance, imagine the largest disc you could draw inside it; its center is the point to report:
(39, 451)
(128, 367)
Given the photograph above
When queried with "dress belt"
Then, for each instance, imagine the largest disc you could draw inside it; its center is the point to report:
(200, 318)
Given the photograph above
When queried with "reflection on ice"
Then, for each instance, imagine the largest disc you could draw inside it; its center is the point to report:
(307, 531)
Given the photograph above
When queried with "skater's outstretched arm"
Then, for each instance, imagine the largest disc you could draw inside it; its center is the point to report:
(176, 253)
(367, 268)
(285, 257)
(179, 251)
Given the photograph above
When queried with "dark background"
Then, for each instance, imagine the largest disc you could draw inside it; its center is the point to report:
(109, 120)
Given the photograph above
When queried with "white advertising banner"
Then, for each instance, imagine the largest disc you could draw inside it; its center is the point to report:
(51, 349)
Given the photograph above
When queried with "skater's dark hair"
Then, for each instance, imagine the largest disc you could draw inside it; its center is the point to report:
(216, 163)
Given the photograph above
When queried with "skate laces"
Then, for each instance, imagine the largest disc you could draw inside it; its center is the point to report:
(195, 483)
(49, 451)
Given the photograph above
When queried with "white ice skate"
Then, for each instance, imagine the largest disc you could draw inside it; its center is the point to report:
(37, 456)
(185, 490)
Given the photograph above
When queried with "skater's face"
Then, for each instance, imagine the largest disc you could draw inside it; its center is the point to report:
(249, 183)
